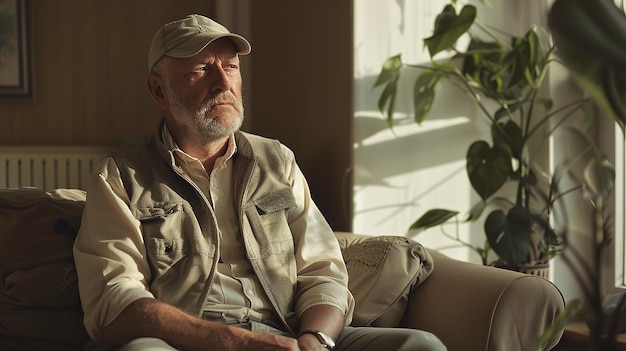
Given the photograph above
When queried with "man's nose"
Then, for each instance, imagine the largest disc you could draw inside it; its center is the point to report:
(220, 81)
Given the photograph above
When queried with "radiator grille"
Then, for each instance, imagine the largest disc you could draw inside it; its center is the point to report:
(48, 168)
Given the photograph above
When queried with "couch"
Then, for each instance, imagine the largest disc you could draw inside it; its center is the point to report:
(396, 282)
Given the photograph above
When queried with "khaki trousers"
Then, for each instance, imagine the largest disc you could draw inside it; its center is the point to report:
(351, 339)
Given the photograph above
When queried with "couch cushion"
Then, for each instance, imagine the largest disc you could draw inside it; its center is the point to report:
(38, 284)
(383, 270)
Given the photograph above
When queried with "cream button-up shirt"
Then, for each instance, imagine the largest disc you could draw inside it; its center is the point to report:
(236, 291)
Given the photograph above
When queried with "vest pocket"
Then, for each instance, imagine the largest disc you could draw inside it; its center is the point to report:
(163, 254)
(276, 201)
(268, 218)
(170, 235)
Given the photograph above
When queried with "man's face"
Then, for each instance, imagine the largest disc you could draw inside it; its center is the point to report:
(204, 91)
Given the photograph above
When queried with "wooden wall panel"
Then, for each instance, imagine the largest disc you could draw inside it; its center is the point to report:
(90, 68)
(301, 93)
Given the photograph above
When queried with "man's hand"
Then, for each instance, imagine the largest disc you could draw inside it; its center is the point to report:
(152, 318)
(272, 342)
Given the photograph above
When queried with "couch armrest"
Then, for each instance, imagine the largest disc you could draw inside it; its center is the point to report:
(474, 307)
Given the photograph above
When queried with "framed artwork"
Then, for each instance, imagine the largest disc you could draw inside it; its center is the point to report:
(16, 78)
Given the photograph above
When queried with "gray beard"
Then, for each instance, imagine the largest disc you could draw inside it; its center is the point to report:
(211, 128)
(207, 127)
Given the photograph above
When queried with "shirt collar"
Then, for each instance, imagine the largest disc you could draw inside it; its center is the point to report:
(183, 157)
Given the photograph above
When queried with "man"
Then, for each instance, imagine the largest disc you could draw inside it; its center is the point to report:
(203, 237)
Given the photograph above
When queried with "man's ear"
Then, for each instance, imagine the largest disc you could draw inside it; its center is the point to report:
(155, 87)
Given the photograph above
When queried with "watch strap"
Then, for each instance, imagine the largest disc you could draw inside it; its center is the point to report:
(324, 339)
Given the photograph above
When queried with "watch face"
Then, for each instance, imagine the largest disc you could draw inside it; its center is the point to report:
(326, 340)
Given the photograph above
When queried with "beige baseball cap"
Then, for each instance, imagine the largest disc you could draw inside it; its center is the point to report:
(188, 36)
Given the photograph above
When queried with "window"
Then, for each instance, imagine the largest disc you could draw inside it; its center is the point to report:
(619, 262)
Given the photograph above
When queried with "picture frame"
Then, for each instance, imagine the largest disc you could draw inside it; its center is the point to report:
(16, 73)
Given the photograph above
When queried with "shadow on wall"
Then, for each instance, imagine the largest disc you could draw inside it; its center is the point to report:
(400, 173)
(383, 152)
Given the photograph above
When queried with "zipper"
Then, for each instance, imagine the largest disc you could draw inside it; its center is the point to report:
(205, 291)
(262, 280)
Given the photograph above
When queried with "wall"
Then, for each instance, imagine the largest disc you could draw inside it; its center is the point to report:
(401, 173)
(90, 67)
(301, 92)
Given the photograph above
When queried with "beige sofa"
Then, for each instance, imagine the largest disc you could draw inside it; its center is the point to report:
(396, 282)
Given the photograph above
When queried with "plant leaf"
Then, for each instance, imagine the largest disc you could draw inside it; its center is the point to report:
(432, 218)
(521, 63)
(388, 100)
(508, 136)
(595, 56)
(389, 75)
(476, 211)
(556, 328)
(390, 71)
(483, 63)
(487, 168)
(506, 111)
(509, 235)
(614, 86)
(424, 93)
(449, 27)
(599, 178)
(534, 48)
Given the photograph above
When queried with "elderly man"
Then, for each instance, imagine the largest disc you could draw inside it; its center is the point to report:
(203, 237)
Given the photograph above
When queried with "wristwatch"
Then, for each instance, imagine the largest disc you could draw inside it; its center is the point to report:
(324, 339)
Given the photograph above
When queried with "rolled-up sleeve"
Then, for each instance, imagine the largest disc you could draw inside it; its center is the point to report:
(322, 274)
(109, 252)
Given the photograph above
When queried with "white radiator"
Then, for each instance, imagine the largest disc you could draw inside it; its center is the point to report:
(48, 167)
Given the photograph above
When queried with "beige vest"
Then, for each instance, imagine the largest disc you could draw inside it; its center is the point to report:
(180, 229)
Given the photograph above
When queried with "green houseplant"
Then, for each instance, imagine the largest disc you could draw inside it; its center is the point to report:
(506, 71)
(590, 36)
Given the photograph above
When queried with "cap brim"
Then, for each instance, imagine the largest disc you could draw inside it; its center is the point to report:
(196, 44)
